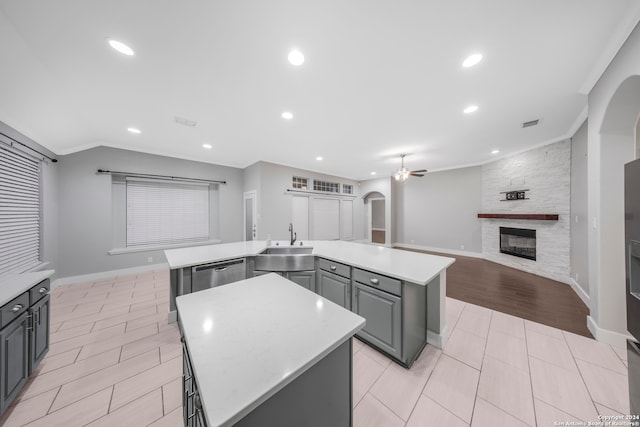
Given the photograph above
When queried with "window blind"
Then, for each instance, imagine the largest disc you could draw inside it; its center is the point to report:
(19, 212)
(160, 213)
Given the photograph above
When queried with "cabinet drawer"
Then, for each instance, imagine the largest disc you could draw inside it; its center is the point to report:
(13, 309)
(335, 267)
(387, 284)
(38, 291)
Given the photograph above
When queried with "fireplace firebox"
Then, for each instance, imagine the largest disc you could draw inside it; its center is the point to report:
(520, 242)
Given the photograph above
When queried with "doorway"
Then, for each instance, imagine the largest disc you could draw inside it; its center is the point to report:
(250, 216)
(377, 230)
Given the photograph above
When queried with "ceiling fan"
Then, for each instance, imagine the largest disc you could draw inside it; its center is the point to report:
(403, 173)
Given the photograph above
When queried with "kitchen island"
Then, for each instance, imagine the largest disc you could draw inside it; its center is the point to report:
(414, 282)
(265, 351)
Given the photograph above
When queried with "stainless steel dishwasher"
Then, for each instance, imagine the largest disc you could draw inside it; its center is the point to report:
(217, 274)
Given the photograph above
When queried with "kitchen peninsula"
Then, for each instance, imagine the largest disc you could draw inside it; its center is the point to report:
(411, 286)
(265, 351)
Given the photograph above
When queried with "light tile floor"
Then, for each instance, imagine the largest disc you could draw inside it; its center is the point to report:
(114, 360)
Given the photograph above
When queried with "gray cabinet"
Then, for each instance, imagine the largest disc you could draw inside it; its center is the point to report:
(14, 358)
(306, 279)
(24, 339)
(334, 282)
(192, 412)
(39, 342)
(383, 312)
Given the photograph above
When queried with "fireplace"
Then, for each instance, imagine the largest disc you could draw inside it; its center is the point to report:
(519, 242)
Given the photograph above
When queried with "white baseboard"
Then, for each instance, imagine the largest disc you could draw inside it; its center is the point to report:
(106, 274)
(434, 249)
(606, 336)
(437, 339)
(581, 293)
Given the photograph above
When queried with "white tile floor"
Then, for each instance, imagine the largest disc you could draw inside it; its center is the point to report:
(115, 361)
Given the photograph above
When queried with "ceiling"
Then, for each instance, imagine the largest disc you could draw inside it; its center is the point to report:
(380, 78)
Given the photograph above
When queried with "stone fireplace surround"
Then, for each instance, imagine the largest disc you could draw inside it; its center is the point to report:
(546, 172)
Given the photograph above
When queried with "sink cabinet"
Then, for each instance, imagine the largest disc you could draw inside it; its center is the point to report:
(306, 279)
(334, 282)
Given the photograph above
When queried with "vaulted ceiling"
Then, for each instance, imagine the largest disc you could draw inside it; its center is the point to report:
(380, 78)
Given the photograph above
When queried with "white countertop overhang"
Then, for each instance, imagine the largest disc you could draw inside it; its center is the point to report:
(249, 340)
(12, 285)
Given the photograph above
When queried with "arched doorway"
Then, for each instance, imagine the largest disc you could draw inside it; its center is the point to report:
(375, 221)
(615, 143)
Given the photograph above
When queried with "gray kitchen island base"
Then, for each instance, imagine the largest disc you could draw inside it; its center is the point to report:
(318, 398)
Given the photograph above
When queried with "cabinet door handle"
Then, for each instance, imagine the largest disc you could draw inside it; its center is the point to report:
(333, 268)
(16, 308)
(219, 269)
(374, 281)
(42, 290)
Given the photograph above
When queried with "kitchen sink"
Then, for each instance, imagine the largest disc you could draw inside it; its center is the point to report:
(285, 259)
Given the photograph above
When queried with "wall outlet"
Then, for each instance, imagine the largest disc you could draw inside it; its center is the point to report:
(412, 240)
(576, 219)
(462, 247)
(577, 277)
(150, 259)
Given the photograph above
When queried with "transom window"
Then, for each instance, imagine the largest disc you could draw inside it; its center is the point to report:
(329, 187)
(299, 183)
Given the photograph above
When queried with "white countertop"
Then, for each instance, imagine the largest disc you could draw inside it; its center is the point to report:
(13, 285)
(249, 340)
(405, 265)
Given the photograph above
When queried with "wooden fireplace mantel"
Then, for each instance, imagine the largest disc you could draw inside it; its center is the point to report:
(544, 217)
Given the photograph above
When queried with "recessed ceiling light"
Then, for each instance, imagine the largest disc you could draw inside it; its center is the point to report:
(296, 58)
(495, 151)
(207, 146)
(471, 109)
(134, 130)
(287, 115)
(373, 173)
(472, 60)
(319, 158)
(121, 47)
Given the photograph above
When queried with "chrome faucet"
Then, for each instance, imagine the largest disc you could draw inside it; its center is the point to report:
(292, 234)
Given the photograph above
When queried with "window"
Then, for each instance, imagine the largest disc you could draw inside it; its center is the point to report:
(19, 211)
(299, 183)
(347, 189)
(162, 212)
(329, 187)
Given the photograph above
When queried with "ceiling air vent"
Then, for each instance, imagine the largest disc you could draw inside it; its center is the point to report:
(185, 122)
(531, 123)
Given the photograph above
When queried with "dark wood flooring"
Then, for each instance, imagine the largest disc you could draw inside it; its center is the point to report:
(505, 289)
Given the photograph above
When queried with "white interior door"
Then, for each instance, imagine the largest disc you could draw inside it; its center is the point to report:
(250, 216)
(325, 219)
(346, 219)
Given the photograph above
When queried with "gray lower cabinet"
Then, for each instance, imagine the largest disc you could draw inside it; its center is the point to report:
(383, 312)
(334, 282)
(39, 341)
(191, 405)
(306, 279)
(334, 288)
(24, 339)
(14, 359)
